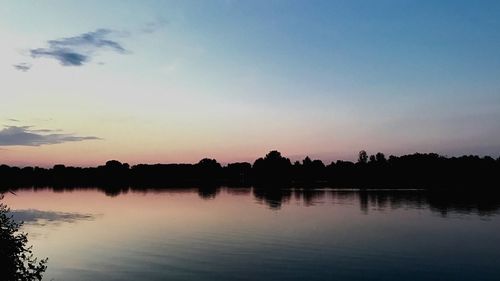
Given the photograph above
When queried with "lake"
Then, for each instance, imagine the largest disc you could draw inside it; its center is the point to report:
(253, 234)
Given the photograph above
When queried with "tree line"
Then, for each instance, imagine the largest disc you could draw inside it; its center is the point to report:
(419, 170)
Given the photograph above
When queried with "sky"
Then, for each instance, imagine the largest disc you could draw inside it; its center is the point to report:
(83, 82)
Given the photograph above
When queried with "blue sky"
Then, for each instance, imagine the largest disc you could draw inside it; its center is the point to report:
(234, 79)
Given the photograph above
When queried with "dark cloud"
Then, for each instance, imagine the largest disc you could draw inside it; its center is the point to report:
(65, 56)
(78, 50)
(22, 66)
(33, 216)
(26, 136)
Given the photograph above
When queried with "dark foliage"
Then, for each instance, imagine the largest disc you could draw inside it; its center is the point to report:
(16, 258)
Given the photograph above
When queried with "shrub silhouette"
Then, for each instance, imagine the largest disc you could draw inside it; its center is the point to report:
(16, 258)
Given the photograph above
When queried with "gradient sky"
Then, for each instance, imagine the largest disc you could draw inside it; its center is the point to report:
(83, 82)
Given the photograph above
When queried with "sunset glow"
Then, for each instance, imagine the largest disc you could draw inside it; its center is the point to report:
(176, 81)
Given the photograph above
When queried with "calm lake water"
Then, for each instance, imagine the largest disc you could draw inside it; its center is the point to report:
(249, 234)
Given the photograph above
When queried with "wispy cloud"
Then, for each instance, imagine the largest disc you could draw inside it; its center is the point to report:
(22, 66)
(78, 50)
(81, 49)
(27, 136)
(154, 26)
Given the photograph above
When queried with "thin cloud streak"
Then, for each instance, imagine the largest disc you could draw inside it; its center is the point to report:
(153, 26)
(26, 136)
(22, 66)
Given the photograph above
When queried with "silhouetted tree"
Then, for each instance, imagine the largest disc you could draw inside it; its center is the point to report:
(238, 172)
(373, 159)
(272, 168)
(362, 157)
(208, 169)
(380, 158)
(306, 162)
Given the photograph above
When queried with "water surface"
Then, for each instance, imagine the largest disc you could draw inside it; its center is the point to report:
(251, 234)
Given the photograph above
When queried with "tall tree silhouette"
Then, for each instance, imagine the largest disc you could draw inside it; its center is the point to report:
(272, 168)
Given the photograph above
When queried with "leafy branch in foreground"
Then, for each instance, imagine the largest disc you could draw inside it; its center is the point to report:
(16, 257)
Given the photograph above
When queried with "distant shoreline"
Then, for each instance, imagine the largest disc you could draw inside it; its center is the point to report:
(415, 171)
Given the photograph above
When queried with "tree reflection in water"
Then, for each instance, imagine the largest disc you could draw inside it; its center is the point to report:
(275, 197)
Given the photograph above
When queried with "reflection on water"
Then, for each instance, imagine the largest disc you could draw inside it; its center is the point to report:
(214, 233)
(32, 216)
(482, 203)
